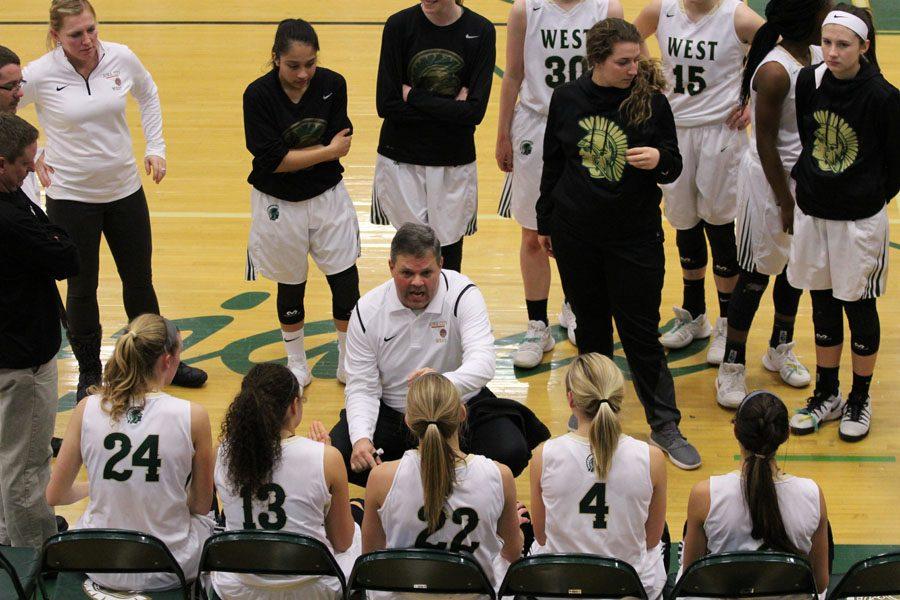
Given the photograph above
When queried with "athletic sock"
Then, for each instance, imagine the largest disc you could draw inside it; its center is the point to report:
(694, 297)
(342, 345)
(724, 299)
(827, 380)
(860, 389)
(537, 310)
(293, 343)
(735, 352)
(782, 332)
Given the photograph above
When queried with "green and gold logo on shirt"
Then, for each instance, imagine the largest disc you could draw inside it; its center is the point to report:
(304, 133)
(603, 148)
(835, 144)
(437, 71)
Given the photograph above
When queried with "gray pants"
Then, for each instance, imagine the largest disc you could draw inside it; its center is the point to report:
(28, 401)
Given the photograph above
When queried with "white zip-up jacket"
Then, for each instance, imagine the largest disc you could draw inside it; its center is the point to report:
(87, 140)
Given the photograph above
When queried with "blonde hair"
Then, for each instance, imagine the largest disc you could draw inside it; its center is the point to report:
(598, 388)
(60, 9)
(432, 412)
(130, 372)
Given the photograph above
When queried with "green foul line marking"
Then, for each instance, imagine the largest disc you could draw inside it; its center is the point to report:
(831, 458)
(498, 71)
(894, 245)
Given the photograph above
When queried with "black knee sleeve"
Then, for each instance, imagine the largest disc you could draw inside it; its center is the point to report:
(289, 303)
(724, 249)
(745, 300)
(828, 319)
(452, 255)
(785, 297)
(865, 328)
(344, 292)
(691, 247)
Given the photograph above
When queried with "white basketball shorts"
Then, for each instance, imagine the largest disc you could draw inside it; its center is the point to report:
(523, 186)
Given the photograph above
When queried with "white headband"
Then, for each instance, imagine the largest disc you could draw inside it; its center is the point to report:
(851, 22)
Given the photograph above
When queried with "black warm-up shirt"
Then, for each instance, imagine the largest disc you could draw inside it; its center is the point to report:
(431, 127)
(33, 253)
(587, 188)
(849, 166)
(274, 125)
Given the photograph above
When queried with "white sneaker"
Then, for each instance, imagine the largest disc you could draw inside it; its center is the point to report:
(716, 352)
(783, 361)
(685, 330)
(855, 420)
(537, 341)
(731, 385)
(300, 369)
(567, 320)
(819, 409)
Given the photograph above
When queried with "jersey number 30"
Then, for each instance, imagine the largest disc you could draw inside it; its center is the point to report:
(146, 455)
(594, 503)
(557, 66)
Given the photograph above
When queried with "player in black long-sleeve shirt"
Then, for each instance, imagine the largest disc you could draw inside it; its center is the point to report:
(848, 117)
(434, 81)
(296, 127)
(610, 140)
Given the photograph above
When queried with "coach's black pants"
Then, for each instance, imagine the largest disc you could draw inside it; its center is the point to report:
(497, 438)
(621, 281)
(125, 224)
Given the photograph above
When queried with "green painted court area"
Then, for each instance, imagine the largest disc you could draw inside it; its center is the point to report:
(887, 14)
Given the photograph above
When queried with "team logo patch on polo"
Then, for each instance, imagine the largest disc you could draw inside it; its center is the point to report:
(835, 145)
(436, 70)
(304, 133)
(439, 331)
(603, 148)
(134, 415)
(273, 212)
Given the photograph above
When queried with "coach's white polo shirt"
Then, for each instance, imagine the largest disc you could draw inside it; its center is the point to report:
(387, 341)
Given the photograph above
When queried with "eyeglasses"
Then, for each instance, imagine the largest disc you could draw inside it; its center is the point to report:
(13, 86)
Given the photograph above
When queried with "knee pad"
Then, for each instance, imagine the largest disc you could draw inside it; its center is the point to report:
(289, 303)
(785, 297)
(828, 319)
(344, 292)
(745, 300)
(724, 249)
(865, 328)
(691, 247)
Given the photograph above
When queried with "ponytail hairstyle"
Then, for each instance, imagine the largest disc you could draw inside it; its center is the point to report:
(598, 388)
(59, 10)
(131, 371)
(290, 31)
(601, 40)
(433, 415)
(251, 431)
(866, 15)
(792, 20)
(761, 426)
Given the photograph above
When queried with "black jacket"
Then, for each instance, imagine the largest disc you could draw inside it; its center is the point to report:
(33, 253)
(587, 187)
(850, 163)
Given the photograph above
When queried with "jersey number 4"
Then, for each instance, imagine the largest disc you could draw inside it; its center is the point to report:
(594, 503)
(695, 82)
(471, 518)
(146, 455)
(274, 517)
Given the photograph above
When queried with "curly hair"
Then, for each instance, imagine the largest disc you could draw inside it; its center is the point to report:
(251, 431)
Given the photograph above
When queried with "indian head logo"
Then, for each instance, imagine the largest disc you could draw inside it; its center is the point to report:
(603, 148)
(835, 145)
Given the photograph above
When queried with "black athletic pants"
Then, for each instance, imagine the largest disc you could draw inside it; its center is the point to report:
(125, 224)
(498, 439)
(622, 281)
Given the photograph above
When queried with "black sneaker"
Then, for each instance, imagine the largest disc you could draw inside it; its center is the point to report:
(189, 377)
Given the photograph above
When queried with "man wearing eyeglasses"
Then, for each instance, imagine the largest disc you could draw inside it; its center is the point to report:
(11, 83)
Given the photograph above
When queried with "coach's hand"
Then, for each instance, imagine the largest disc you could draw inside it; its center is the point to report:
(340, 143)
(642, 157)
(363, 457)
(418, 373)
(546, 244)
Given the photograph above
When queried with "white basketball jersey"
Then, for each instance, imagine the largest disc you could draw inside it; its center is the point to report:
(728, 524)
(554, 50)
(138, 469)
(472, 511)
(703, 62)
(788, 142)
(598, 517)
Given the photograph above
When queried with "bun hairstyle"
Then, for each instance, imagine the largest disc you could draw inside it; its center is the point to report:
(433, 414)
(601, 40)
(793, 20)
(251, 431)
(60, 9)
(761, 426)
(866, 15)
(130, 372)
(598, 388)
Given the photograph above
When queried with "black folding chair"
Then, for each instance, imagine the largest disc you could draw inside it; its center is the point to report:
(875, 576)
(266, 553)
(419, 570)
(74, 553)
(572, 576)
(20, 566)
(746, 575)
